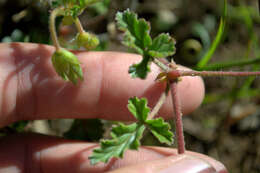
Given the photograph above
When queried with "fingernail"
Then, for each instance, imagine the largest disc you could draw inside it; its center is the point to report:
(189, 165)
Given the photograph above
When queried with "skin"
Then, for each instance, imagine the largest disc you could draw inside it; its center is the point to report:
(30, 89)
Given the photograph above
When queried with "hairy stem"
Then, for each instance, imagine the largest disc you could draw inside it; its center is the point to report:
(176, 106)
(52, 27)
(159, 103)
(178, 73)
(161, 65)
(173, 74)
(79, 26)
(178, 118)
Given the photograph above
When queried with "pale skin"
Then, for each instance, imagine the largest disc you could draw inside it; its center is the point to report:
(30, 89)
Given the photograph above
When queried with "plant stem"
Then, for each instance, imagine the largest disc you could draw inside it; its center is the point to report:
(176, 106)
(79, 26)
(159, 103)
(161, 65)
(178, 73)
(178, 118)
(52, 27)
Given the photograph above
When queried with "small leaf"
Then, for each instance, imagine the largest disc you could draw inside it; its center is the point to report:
(85, 3)
(72, 8)
(138, 107)
(67, 65)
(123, 137)
(161, 130)
(67, 20)
(141, 69)
(162, 46)
(136, 31)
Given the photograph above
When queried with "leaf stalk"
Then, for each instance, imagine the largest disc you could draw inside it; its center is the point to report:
(159, 103)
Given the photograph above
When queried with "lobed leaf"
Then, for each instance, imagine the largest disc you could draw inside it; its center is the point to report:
(161, 130)
(128, 136)
(138, 107)
(73, 8)
(141, 69)
(137, 36)
(123, 137)
(163, 45)
(137, 31)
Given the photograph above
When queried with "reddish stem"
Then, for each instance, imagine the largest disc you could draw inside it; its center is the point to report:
(178, 73)
(178, 118)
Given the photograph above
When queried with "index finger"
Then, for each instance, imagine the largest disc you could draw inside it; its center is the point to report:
(31, 89)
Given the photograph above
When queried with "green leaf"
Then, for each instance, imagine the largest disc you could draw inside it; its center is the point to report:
(67, 20)
(208, 55)
(67, 65)
(70, 3)
(162, 46)
(141, 69)
(136, 31)
(138, 107)
(161, 130)
(88, 2)
(73, 8)
(123, 137)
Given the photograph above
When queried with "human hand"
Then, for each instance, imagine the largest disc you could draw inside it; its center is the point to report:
(32, 90)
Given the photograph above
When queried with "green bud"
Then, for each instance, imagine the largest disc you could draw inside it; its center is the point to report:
(87, 40)
(67, 65)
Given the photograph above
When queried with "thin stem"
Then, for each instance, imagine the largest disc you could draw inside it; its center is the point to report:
(214, 73)
(161, 65)
(178, 118)
(159, 103)
(79, 26)
(178, 73)
(52, 28)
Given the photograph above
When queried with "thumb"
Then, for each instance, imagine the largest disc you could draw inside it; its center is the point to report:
(177, 163)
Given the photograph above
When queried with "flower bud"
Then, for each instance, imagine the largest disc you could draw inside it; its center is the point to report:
(67, 65)
(87, 40)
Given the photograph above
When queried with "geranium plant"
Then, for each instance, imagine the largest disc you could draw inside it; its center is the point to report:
(136, 37)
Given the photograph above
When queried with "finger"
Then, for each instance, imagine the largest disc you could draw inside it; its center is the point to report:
(31, 89)
(37, 153)
(177, 163)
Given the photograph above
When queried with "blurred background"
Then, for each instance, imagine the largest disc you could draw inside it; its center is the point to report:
(209, 35)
